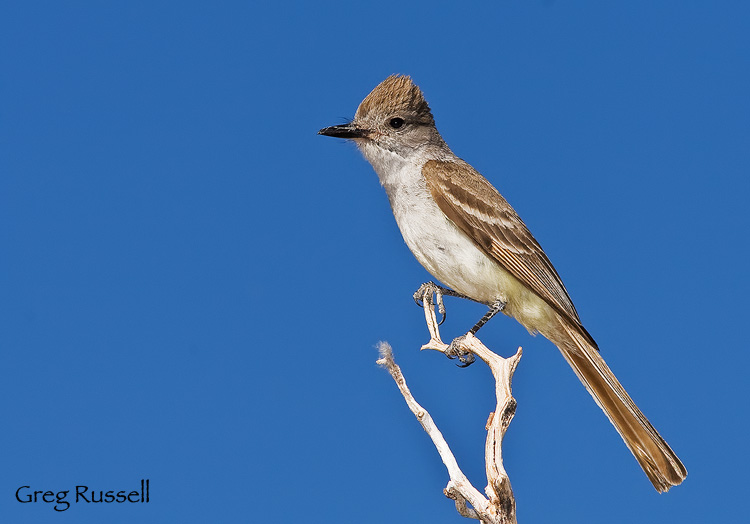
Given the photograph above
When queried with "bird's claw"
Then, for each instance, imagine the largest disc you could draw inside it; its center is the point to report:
(465, 358)
(425, 292)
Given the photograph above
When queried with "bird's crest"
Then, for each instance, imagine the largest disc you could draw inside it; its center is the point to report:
(396, 95)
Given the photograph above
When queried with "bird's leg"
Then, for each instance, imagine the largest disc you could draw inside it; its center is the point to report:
(454, 348)
(496, 307)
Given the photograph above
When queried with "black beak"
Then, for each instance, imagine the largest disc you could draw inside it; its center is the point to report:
(344, 131)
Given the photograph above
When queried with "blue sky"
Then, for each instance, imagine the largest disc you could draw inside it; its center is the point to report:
(192, 282)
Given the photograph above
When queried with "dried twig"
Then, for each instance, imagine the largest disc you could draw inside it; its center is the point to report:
(499, 507)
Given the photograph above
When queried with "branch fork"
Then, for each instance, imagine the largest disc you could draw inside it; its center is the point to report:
(498, 506)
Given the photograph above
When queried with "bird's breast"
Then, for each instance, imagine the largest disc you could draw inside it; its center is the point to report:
(448, 253)
(443, 249)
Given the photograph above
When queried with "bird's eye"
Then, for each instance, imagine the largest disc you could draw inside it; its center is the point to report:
(395, 123)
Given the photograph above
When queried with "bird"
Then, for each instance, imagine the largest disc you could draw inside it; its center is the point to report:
(466, 234)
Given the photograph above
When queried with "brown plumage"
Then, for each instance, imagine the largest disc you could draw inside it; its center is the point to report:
(397, 95)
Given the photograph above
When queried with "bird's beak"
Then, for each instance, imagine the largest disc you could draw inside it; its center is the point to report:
(345, 131)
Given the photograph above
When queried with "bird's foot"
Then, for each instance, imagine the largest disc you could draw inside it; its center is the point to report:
(425, 293)
(465, 358)
(428, 289)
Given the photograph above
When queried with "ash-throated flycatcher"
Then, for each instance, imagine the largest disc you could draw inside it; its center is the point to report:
(467, 235)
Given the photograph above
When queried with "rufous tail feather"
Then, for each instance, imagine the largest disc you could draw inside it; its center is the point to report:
(657, 459)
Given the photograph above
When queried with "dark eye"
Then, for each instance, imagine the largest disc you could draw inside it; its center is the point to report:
(395, 123)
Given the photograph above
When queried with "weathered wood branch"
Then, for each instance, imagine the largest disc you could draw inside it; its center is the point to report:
(499, 506)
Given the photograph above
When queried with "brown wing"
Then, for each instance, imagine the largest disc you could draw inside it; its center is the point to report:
(480, 211)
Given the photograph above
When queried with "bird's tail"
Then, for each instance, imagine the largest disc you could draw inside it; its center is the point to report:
(657, 459)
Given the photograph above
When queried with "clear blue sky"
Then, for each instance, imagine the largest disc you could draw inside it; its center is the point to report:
(192, 282)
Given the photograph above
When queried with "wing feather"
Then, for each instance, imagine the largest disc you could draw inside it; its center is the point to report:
(480, 211)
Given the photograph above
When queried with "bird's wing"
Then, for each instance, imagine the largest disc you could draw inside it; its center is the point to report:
(480, 211)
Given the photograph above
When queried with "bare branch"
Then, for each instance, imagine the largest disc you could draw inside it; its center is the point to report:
(499, 507)
(458, 479)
